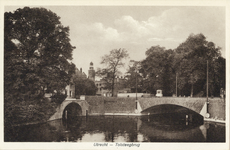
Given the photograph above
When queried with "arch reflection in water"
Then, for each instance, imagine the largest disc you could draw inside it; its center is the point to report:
(171, 128)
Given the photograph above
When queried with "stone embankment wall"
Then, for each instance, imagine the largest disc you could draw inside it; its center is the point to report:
(96, 104)
(216, 108)
(101, 105)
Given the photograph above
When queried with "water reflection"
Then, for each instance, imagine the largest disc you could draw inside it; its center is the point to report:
(168, 128)
(118, 129)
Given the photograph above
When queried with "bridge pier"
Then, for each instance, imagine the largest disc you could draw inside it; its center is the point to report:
(138, 108)
(204, 110)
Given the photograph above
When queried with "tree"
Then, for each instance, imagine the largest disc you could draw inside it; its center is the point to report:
(192, 61)
(37, 52)
(134, 79)
(84, 86)
(184, 68)
(157, 70)
(218, 76)
(112, 63)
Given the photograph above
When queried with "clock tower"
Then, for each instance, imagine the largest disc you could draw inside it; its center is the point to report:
(91, 72)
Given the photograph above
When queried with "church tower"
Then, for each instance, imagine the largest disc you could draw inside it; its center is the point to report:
(91, 72)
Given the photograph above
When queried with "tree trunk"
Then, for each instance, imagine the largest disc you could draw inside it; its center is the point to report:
(113, 85)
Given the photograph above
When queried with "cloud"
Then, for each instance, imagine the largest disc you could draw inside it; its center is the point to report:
(172, 25)
(161, 39)
(163, 27)
(129, 24)
(168, 29)
(94, 33)
(108, 33)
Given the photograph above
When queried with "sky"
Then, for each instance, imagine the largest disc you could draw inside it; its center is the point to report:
(96, 30)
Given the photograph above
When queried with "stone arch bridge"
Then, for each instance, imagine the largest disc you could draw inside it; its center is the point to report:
(79, 104)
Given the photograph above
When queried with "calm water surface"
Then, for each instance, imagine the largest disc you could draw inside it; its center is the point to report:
(158, 128)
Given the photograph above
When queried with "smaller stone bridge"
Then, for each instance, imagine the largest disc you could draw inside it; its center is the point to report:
(82, 105)
(195, 104)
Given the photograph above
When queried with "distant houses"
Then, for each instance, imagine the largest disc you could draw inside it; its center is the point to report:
(100, 84)
(119, 87)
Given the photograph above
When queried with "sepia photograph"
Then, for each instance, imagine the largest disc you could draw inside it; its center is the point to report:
(103, 76)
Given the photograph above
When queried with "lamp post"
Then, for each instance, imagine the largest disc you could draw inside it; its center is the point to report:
(176, 84)
(135, 63)
(207, 82)
(207, 101)
(136, 84)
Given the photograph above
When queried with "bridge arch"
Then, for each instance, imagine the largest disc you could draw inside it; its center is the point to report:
(194, 104)
(174, 111)
(167, 108)
(72, 110)
(192, 109)
(81, 105)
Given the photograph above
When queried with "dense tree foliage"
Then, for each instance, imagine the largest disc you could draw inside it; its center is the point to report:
(112, 63)
(37, 52)
(157, 69)
(134, 78)
(187, 65)
(84, 86)
(195, 53)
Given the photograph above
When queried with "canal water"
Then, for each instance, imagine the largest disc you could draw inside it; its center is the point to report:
(155, 128)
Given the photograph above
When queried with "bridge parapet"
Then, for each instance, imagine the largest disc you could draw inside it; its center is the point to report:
(195, 104)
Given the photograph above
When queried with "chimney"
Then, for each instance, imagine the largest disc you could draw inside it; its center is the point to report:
(81, 70)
